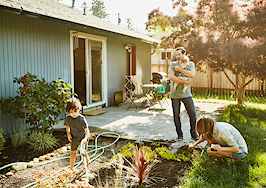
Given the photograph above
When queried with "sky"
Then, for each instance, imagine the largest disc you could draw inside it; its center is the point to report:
(136, 10)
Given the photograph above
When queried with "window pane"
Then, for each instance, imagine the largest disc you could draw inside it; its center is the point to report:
(163, 55)
(96, 60)
(169, 55)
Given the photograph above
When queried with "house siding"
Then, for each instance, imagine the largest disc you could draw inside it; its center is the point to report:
(30, 45)
(42, 47)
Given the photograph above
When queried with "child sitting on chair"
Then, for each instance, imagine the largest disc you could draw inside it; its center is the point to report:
(183, 63)
(76, 128)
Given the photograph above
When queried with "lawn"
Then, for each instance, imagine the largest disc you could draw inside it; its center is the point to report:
(250, 120)
(252, 99)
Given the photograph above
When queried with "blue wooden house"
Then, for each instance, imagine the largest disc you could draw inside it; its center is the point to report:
(51, 40)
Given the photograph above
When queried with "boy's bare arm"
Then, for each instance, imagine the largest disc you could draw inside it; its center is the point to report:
(87, 134)
(69, 137)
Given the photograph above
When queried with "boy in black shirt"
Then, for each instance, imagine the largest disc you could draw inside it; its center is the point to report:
(76, 128)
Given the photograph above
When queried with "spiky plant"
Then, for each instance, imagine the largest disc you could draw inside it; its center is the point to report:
(140, 167)
(41, 141)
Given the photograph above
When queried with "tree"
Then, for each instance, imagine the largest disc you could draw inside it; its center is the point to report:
(130, 25)
(222, 35)
(160, 22)
(98, 9)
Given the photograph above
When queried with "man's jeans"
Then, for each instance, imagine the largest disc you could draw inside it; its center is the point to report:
(189, 105)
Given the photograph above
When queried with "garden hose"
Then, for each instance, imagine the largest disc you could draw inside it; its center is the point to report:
(81, 153)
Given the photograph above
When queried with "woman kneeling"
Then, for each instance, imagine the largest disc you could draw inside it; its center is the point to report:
(225, 140)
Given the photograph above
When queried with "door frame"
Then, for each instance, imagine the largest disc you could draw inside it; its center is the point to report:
(88, 66)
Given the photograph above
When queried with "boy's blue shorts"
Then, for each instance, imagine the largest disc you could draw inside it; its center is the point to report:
(235, 155)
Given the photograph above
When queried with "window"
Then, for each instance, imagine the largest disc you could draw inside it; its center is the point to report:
(166, 53)
(163, 55)
(169, 55)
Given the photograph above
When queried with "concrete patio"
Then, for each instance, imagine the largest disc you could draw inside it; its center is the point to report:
(146, 124)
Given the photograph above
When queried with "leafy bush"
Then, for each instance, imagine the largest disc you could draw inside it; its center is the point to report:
(39, 103)
(18, 138)
(172, 156)
(2, 140)
(127, 152)
(41, 141)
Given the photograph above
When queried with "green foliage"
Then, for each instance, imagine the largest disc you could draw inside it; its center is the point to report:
(155, 144)
(18, 138)
(250, 99)
(130, 25)
(2, 140)
(158, 22)
(127, 152)
(98, 9)
(248, 172)
(41, 141)
(142, 164)
(172, 156)
(39, 103)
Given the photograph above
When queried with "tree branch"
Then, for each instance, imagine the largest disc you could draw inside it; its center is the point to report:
(229, 79)
(248, 82)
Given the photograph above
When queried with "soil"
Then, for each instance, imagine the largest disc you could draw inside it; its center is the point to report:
(168, 172)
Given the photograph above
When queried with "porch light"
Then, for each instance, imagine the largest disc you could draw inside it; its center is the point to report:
(128, 48)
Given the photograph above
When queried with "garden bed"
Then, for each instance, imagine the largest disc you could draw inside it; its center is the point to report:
(168, 172)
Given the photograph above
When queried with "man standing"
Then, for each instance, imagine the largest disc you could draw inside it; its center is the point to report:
(177, 97)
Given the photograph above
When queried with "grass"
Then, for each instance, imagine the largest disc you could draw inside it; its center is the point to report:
(251, 100)
(250, 120)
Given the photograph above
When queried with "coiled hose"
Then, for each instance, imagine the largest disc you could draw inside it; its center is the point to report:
(81, 153)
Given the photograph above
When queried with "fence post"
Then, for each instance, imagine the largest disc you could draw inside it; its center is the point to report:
(166, 65)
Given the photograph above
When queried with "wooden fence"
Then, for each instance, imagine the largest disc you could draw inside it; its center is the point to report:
(210, 80)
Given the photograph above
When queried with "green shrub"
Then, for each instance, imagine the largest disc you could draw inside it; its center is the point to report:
(41, 141)
(2, 140)
(127, 152)
(39, 103)
(172, 156)
(18, 138)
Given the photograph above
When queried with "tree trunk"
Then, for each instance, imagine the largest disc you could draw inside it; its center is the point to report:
(240, 86)
(240, 94)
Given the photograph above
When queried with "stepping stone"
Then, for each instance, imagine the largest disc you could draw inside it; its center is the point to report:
(19, 166)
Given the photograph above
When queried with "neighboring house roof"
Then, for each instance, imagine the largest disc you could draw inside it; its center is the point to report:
(62, 12)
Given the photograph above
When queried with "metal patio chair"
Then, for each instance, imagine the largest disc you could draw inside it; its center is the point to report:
(133, 90)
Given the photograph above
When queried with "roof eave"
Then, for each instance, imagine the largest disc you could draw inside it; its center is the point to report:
(47, 17)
